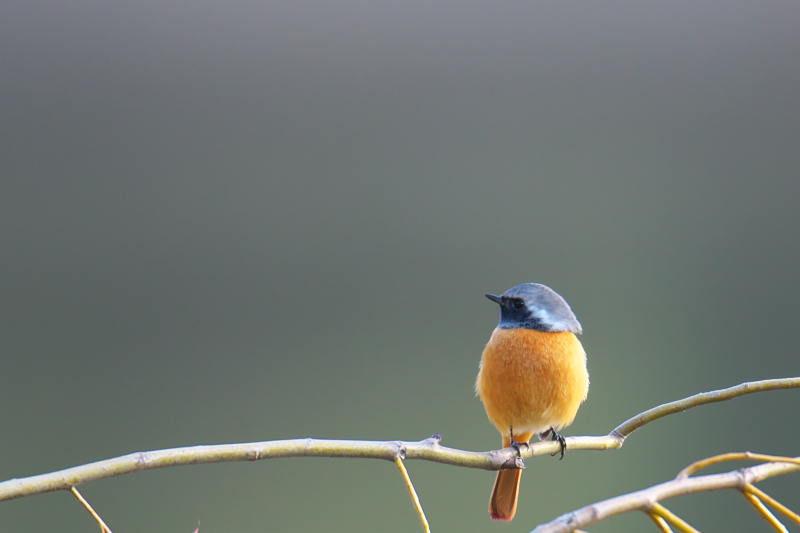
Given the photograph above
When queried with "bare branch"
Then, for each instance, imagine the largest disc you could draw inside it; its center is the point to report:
(655, 413)
(427, 450)
(646, 499)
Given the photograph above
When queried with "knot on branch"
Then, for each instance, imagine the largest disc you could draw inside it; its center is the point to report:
(253, 454)
(141, 459)
(432, 442)
(617, 435)
(400, 452)
(434, 439)
(513, 463)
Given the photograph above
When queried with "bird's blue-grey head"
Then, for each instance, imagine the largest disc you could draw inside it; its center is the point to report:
(535, 306)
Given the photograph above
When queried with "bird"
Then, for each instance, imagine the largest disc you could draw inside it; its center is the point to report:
(532, 377)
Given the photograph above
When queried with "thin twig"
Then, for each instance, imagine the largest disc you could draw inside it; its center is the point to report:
(660, 523)
(772, 502)
(733, 456)
(411, 492)
(103, 527)
(628, 427)
(673, 519)
(765, 513)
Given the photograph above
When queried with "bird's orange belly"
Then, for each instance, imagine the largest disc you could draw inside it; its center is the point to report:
(532, 380)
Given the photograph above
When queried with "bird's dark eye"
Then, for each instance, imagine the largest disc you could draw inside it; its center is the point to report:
(519, 304)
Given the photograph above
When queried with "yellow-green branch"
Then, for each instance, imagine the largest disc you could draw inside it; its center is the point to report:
(628, 427)
(413, 493)
(428, 449)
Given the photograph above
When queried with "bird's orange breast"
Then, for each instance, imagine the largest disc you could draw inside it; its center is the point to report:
(532, 380)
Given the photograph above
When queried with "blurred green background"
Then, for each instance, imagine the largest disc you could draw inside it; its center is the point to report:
(239, 221)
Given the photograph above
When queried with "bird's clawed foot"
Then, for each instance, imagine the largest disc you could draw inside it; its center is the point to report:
(517, 445)
(556, 437)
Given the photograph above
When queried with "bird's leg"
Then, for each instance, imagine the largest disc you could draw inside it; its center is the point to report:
(517, 445)
(556, 437)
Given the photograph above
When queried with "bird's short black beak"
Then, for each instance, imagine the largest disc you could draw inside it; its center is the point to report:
(496, 299)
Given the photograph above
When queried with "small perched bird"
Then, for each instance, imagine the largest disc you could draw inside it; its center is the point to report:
(532, 377)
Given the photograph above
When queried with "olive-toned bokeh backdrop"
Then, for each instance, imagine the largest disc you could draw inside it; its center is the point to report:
(237, 221)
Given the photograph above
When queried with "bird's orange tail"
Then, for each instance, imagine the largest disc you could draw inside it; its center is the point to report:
(503, 502)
